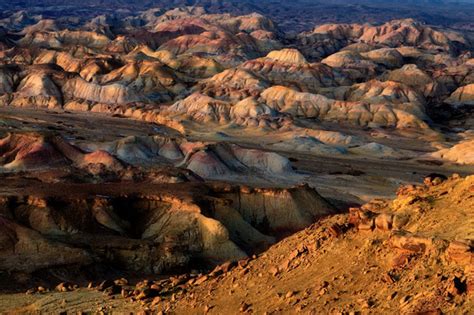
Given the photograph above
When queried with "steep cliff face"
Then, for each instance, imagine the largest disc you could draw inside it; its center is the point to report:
(154, 232)
(114, 93)
(26, 250)
(7, 81)
(280, 210)
(143, 231)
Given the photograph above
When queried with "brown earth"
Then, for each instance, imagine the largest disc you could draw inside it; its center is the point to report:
(193, 160)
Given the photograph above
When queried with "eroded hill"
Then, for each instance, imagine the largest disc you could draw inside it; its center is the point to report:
(138, 144)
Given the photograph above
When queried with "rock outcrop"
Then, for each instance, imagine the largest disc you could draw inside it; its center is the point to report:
(164, 230)
(460, 153)
(37, 90)
(31, 151)
(287, 55)
(415, 77)
(395, 33)
(463, 96)
(114, 93)
(358, 113)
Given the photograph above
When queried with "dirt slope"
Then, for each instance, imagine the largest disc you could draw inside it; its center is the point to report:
(418, 258)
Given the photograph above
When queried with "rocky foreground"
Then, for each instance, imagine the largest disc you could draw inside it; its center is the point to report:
(412, 254)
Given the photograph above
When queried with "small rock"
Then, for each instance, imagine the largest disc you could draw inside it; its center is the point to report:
(155, 301)
(460, 252)
(201, 280)
(227, 266)
(121, 282)
(457, 286)
(410, 242)
(243, 263)
(30, 291)
(112, 290)
(434, 179)
(146, 293)
(335, 230)
(125, 293)
(391, 296)
(404, 300)
(143, 284)
(314, 246)
(293, 254)
(105, 284)
(284, 266)
(244, 307)
(63, 287)
(207, 308)
(366, 224)
(384, 222)
(273, 271)
(366, 303)
(216, 273)
(388, 278)
(175, 281)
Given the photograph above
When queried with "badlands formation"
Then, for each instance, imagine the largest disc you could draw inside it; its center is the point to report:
(193, 161)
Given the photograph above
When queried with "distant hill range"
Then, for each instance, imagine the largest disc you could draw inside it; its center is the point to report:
(295, 15)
